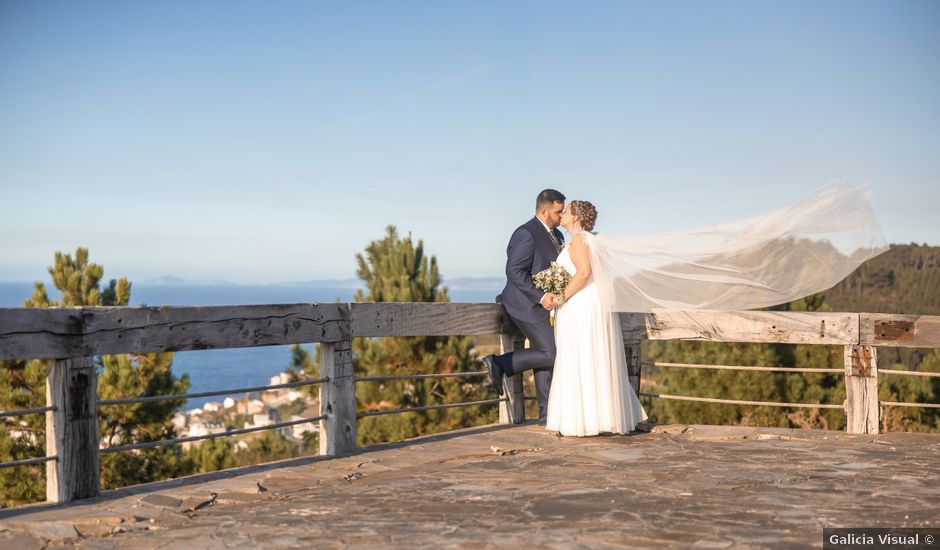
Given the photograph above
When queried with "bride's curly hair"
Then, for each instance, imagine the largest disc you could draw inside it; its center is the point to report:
(586, 213)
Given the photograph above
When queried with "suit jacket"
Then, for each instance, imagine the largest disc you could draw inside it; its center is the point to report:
(530, 250)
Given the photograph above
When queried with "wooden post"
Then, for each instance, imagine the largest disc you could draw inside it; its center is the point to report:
(634, 355)
(512, 411)
(861, 390)
(337, 398)
(71, 429)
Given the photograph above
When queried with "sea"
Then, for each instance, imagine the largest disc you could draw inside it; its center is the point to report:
(221, 369)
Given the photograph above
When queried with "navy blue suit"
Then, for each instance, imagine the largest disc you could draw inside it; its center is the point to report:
(531, 249)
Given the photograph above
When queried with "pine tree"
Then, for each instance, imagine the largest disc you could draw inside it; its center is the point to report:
(23, 386)
(123, 376)
(267, 447)
(213, 455)
(912, 389)
(395, 269)
(301, 364)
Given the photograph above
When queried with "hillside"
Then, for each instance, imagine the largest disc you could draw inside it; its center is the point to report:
(905, 279)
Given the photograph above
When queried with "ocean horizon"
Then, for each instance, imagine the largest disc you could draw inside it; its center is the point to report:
(220, 369)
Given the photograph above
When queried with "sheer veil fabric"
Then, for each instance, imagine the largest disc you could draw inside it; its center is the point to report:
(756, 262)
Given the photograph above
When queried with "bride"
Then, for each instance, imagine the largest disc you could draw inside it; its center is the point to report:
(757, 262)
(590, 392)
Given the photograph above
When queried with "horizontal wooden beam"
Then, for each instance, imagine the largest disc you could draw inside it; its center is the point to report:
(425, 319)
(83, 331)
(902, 331)
(781, 327)
(27, 333)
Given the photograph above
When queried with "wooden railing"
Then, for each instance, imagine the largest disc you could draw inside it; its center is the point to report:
(70, 337)
(859, 333)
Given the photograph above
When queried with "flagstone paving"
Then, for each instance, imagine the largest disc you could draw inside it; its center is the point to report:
(522, 486)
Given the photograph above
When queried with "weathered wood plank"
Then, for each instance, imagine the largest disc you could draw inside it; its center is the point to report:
(177, 328)
(788, 327)
(337, 398)
(427, 319)
(71, 430)
(903, 331)
(27, 333)
(83, 331)
(861, 390)
(634, 356)
(512, 411)
(58, 320)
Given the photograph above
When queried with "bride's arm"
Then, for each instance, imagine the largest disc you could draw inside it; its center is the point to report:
(582, 263)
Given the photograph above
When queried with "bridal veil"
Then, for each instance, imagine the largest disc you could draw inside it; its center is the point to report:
(757, 262)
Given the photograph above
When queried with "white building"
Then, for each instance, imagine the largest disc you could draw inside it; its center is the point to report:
(212, 406)
(229, 402)
(298, 430)
(180, 421)
(278, 399)
(205, 429)
(24, 434)
(258, 420)
(198, 428)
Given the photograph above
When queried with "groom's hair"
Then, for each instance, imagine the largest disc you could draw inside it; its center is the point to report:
(547, 197)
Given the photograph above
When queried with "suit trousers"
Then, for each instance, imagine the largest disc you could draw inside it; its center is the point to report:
(539, 356)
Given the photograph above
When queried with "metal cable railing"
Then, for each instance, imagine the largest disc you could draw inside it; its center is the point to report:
(909, 372)
(28, 461)
(24, 412)
(420, 376)
(740, 401)
(907, 404)
(278, 425)
(914, 405)
(151, 398)
(738, 367)
(232, 391)
(227, 433)
(781, 369)
(163, 442)
(431, 407)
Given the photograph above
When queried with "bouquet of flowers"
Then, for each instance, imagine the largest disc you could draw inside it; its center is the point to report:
(554, 280)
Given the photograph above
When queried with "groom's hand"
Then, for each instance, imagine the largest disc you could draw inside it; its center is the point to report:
(548, 301)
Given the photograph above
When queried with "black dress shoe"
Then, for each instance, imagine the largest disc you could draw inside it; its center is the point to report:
(496, 373)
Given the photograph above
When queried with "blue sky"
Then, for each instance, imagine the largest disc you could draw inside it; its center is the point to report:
(271, 141)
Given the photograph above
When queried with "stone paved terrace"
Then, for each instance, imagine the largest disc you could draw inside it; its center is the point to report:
(523, 487)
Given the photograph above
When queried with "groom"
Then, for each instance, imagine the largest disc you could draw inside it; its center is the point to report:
(533, 246)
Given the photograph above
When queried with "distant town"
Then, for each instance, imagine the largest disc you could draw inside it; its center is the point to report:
(255, 409)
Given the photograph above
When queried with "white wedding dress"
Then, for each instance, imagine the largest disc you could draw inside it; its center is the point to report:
(590, 391)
